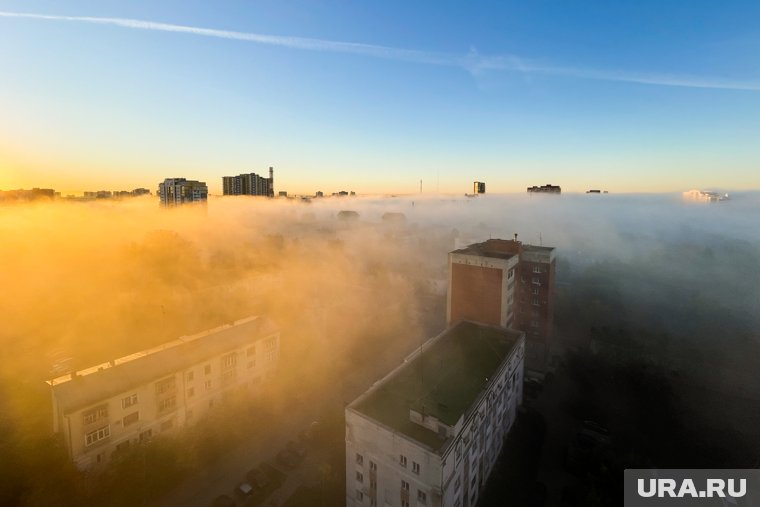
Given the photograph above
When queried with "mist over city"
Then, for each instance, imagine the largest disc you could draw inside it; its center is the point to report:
(667, 287)
(398, 254)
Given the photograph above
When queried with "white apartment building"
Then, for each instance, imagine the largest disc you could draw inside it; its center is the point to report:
(111, 406)
(429, 433)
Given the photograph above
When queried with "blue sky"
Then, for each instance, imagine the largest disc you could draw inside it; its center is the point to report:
(630, 97)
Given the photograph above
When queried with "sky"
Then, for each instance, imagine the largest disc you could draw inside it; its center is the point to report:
(375, 96)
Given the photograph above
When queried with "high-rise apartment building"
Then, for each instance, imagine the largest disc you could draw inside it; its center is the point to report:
(506, 283)
(429, 433)
(178, 191)
(249, 184)
(110, 407)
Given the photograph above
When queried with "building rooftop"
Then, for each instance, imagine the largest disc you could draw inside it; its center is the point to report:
(497, 248)
(443, 380)
(86, 387)
(501, 248)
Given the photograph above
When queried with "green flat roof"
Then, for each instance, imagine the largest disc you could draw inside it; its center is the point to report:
(444, 381)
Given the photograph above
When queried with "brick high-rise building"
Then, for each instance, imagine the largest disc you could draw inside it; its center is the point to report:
(506, 283)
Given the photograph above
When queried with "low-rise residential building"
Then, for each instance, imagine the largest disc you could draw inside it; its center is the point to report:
(429, 433)
(109, 407)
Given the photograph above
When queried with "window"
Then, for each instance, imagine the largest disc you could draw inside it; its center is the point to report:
(190, 376)
(534, 291)
(372, 483)
(92, 415)
(165, 385)
(229, 360)
(359, 477)
(167, 403)
(536, 280)
(402, 460)
(250, 351)
(190, 392)
(535, 323)
(129, 401)
(228, 377)
(97, 435)
(373, 466)
(208, 384)
(404, 503)
(207, 369)
(270, 343)
(535, 302)
(359, 495)
(415, 467)
(131, 418)
(271, 355)
(145, 435)
(359, 459)
(404, 485)
(421, 497)
(537, 269)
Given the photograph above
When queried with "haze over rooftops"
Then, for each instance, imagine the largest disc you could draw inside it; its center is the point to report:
(89, 386)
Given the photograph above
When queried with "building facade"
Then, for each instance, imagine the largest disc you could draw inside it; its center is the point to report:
(429, 433)
(249, 184)
(178, 191)
(110, 407)
(506, 283)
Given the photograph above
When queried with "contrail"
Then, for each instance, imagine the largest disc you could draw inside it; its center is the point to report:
(471, 62)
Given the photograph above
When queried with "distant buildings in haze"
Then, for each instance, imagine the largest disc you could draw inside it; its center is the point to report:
(545, 189)
(478, 187)
(249, 184)
(178, 191)
(704, 196)
(27, 195)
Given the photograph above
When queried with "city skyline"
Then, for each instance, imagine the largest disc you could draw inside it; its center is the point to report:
(638, 98)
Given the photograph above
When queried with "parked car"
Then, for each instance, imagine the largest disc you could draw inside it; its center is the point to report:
(243, 490)
(258, 478)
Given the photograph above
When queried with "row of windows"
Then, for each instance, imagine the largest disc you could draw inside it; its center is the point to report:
(97, 435)
(95, 414)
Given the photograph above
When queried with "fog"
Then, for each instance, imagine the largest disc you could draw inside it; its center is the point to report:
(86, 282)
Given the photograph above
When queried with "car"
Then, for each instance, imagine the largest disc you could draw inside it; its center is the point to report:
(243, 490)
(258, 478)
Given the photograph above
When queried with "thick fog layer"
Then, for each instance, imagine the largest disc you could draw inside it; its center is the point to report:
(86, 282)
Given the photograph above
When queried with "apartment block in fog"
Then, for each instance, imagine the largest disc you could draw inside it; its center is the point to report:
(429, 433)
(110, 407)
(249, 184)
(506, 283)
(178, 191)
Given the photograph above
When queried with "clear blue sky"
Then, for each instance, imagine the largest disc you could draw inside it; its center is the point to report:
(626, 96)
